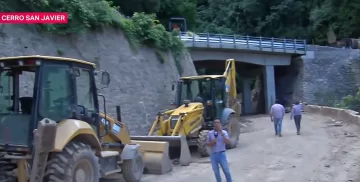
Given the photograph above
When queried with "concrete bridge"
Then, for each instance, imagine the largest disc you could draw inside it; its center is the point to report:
(254, 56)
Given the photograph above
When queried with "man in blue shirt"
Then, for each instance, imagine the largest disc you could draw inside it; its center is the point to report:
(296, 113)
(217, 140)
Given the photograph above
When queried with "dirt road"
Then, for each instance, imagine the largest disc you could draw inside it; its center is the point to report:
(323, 153)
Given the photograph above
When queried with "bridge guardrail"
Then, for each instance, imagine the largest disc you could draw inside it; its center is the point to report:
(244, 42)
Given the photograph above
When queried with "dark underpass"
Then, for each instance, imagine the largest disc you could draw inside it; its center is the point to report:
(285, 77)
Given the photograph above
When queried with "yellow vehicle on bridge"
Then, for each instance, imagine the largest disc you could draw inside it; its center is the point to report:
(199, 100)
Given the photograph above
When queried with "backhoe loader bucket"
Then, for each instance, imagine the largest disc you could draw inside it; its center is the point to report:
(155, 156)
(177, 146)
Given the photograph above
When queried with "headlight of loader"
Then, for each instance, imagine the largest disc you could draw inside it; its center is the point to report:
(173, 121)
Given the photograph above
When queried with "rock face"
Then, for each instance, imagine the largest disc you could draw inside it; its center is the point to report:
(322, 77)
(140, 84)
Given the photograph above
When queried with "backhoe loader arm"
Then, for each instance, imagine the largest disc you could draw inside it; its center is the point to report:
(158, 120)
(178, 125)
(230, 74)
(183, 122)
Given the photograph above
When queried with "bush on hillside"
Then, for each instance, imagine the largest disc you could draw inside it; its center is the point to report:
(83, 14)
(144, 28)
(129, 7)
(350, 102)
(96, 14)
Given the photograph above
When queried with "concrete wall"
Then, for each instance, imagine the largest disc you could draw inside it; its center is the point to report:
(345, 115)
(140, 83)
(330, 74)
(323, 76)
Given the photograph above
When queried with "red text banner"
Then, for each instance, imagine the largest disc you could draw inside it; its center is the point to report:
(33, 18)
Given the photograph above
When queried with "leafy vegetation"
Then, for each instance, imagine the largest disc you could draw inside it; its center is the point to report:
(326, 98)
(314, 20)
(83, 14)
(350, 102)
(141, 28)
(309, 19)
(128, 7)
(164, 9)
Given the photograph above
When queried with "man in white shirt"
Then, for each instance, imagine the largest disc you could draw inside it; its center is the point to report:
(277, 113)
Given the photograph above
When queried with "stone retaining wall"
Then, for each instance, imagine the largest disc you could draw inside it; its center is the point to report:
(140, 82)
(335, 113)
(326, 75)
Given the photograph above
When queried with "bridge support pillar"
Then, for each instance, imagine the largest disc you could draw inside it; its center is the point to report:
(269, 85)
(246, 96)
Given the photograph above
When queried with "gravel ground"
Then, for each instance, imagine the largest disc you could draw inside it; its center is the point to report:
(322, 153)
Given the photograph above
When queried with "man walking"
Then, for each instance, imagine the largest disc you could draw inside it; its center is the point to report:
(277, 113)
(296, 113)
(217, 140)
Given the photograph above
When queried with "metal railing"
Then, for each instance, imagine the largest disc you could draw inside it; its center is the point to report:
(244, 42)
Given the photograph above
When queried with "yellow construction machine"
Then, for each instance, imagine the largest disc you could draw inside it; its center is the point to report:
(199, 100)
(51, 127)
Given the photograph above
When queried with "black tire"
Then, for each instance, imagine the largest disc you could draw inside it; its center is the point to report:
(203, 149)
(233, 129)
(133, 169)
(75, 158)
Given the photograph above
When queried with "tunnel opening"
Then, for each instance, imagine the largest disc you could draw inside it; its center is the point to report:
(251, 97)
(280, 80)
(286, 83)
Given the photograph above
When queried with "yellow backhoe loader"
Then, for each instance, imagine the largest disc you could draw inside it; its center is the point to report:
(199, 100)
(54, 131)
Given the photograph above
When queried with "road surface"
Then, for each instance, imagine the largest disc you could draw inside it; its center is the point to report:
(322, 153)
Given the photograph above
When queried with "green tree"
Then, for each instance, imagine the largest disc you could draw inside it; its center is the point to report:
(177, 8)
(338, 16)
(255, 17)
(309, 19)
(214, 16)
(129, 7)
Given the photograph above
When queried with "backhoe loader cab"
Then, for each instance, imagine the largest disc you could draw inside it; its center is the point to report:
(208, 90)
(50, 127)
(32, 89)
